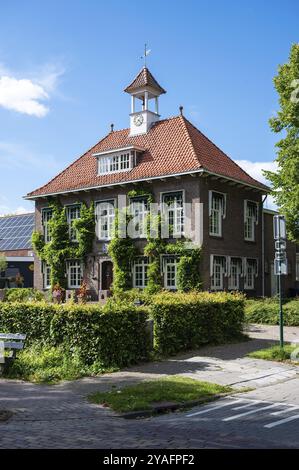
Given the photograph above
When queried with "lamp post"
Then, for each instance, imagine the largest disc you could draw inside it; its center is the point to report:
(280, 263)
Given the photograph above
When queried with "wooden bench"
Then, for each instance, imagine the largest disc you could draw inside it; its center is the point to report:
(11, 342)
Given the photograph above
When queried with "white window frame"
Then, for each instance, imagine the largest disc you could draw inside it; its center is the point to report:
(46, 276)
(218, 265)
(110, 216)
(216, 215)
(178, 213)
(169, 262)
(251, 269)
(115, 163)
(71, 210)
(235, 271)
(47, 214)
(140, 266)
(250, 220)
(78, 273)
(140, 214)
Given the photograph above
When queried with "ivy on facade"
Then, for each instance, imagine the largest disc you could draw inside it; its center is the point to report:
(123, 251)
(60, 248)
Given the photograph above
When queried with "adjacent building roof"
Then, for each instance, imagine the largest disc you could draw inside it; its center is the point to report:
(144, 78)
(16, 231)
(172, 146)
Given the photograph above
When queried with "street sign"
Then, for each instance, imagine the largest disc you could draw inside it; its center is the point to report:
(280, 245)
(280, 267)
(279, 227)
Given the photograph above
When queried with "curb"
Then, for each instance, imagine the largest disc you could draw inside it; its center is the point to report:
(156, 410)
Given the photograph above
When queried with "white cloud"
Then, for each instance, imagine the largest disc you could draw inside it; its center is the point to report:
(254, 169)
(28, 95)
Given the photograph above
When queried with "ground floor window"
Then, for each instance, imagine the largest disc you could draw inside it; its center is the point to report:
(74, 274)
(170, 272)
(218, 269)
(250, 273)
(140, 266)
(235, 273)
(46, 276)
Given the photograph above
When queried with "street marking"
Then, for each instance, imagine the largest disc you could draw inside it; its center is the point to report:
(292, 408)
(215, 407)
(255, 402)
(251, 412)
(281, 421)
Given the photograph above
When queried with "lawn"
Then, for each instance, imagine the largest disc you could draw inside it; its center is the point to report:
(144, 395)
(276, 353)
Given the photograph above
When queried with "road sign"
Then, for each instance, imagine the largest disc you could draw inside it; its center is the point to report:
(279, 227)
(280, 267)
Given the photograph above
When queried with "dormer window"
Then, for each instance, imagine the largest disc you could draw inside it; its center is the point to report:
(114, 163)
(117, 160)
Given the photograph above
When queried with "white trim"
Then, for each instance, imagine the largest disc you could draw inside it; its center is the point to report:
(121, 149)
(97, 202)
(183, 191)
(173, 175)
(19, 259)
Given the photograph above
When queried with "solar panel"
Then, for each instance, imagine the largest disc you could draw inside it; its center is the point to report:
(16, 231)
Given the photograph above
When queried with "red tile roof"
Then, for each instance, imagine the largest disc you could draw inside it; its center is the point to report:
(144, 78)
(172, 146)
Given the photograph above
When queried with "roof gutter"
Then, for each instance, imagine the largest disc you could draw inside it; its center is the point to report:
(173, 175)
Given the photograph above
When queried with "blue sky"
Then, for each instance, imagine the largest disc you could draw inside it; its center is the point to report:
(64, 64)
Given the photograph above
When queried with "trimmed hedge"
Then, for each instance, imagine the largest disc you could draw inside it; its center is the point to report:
(114, 336)
(187, 321)
(22, 294)
(267, 312)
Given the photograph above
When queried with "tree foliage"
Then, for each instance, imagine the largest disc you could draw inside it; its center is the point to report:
(3, 263)
(285, 181)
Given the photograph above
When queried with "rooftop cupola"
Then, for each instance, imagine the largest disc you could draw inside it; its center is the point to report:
(144, 88)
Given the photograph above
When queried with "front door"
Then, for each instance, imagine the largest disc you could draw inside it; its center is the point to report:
(107, 275)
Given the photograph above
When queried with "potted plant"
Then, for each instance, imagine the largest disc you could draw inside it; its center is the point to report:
(82, 293)
(57, 294)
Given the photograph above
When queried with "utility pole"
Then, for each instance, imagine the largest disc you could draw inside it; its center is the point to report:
(280, 263)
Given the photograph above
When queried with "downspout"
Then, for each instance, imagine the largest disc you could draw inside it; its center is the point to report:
(263, 247)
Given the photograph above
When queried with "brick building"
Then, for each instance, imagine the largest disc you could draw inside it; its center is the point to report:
(190, 178)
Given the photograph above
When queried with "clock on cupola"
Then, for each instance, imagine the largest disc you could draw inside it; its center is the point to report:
(144, 89)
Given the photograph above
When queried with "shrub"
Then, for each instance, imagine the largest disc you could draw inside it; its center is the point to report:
(22, 294)
(266, 311)
(114, 336)
(186, 321)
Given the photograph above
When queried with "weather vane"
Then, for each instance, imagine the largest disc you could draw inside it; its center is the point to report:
(146, 53)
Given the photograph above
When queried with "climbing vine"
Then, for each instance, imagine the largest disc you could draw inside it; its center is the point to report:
(123, 251)
(60, 248)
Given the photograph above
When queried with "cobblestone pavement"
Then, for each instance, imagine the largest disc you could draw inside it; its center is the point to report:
(60, 416)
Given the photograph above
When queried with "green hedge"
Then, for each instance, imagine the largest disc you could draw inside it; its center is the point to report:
(20, 294)
(114, 336)
(267, 312)
(187, 321)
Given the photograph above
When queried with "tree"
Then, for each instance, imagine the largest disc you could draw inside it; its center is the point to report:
(285, 181)
(3, 263)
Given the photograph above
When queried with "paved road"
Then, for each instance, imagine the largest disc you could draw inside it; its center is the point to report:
(61, 417)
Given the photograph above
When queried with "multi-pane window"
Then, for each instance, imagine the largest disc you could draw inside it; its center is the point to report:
(218, 270)
(250, 272)
(139, 211)
(173, 207)
(74, 274)
(104, 219)
(46, 217)
(170, 272)
(235, 273)
(140, 266)
(216, 212)
(72, 213)
(46, 276)
(250, 219)
(114, 163)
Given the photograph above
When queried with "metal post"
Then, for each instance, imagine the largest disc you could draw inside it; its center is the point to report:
(280, 312)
